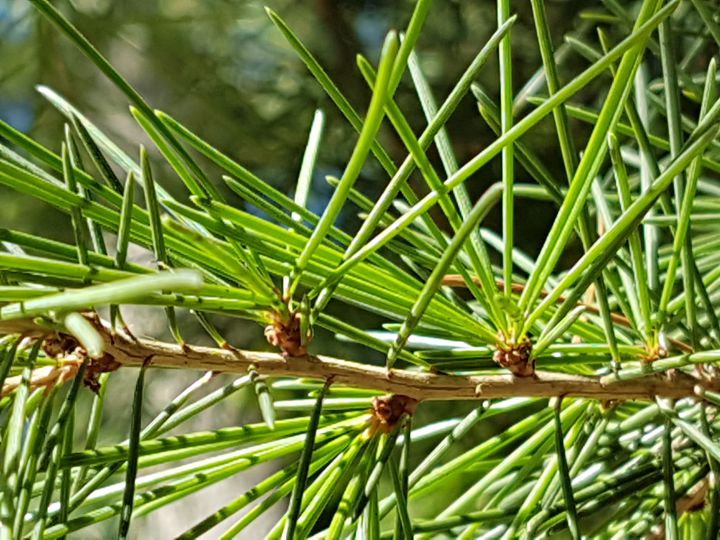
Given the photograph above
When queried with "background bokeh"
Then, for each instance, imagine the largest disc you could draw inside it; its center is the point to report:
(221, 68)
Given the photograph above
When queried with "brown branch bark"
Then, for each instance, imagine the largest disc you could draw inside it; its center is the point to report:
(417, 385)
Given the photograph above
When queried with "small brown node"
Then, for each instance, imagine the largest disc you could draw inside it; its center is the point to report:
(285, 333)
(61, 346)
(97, 366)
(389, 410)
(516, 356)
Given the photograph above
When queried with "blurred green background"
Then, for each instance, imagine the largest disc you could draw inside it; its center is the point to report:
(220, 67)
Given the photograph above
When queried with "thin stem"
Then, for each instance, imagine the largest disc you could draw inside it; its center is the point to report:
(564, 472)
(506, 121)
(293, 513)
(382, 92)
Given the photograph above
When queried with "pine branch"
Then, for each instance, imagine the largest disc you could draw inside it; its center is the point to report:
(422, 386)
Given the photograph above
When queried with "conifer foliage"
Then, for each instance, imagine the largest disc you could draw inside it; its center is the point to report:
(599, 356)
